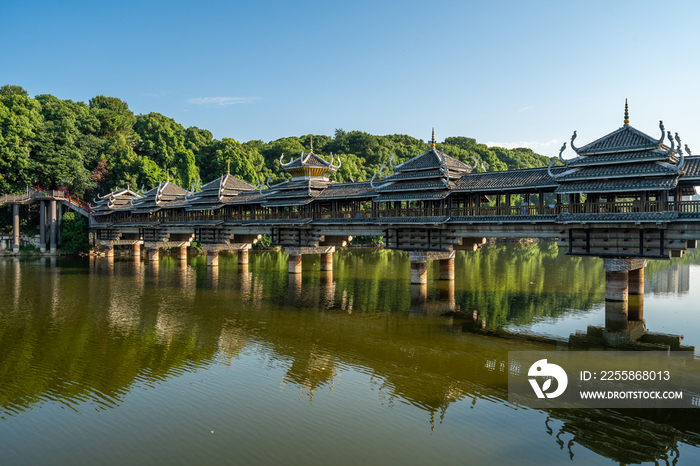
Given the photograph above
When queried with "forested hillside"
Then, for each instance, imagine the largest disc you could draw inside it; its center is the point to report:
(101, 145)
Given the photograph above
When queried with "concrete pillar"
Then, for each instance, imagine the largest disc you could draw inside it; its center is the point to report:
(295, 264)
(109, 251)
(447, 269)
(243, 257)
(153, 254)
(136, 250)
(182, 253)
(212, 258)
(15, 228)
(616, 286)
(326, 262)
(59, 214)
(42, 226)
(52, 225)
(616, 300)
(636, 282)
(419, 272)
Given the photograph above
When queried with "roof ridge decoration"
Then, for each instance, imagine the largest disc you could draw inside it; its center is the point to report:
(371, 182)
(446, 171)
(627, 114)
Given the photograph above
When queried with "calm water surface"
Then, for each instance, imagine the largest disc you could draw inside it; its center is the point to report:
(130, 362)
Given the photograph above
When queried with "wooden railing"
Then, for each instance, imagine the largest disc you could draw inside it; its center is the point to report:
(481, 211)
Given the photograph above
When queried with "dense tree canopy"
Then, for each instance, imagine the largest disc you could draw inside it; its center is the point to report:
(101, 146)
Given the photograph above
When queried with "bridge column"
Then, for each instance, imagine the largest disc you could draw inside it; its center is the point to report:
(617, 273)
(295, 263)
(296, 252)
(42, 226)
(182, 253)
(636, 295)
(242, 256)
(419, 265)
(136, 250)
(15, 228)
(419, 272)
(153, 254)
(52, 224)
(326, 262)
(59, 214)
(212, 258)
(109, 251)
(447, 269)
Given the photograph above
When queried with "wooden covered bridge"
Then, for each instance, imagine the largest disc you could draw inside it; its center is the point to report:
(619, 197)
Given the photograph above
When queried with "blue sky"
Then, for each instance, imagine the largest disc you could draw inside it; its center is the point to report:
(511, 73)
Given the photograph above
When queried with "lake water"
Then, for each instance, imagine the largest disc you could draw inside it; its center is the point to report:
(129, 362)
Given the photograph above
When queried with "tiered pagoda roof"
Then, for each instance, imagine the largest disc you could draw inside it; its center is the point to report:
(218, 192)
(310, 176)
(163, 195)
(624, 161)
(426, 177)
(114, 201)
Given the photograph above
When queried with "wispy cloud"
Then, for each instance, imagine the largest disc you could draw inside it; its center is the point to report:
(534, 145)
(223, 101)
(525, 109)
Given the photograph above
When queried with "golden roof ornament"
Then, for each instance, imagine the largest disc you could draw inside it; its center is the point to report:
(627, 114)
(433, 143)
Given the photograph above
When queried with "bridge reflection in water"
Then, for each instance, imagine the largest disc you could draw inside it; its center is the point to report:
(122, 324)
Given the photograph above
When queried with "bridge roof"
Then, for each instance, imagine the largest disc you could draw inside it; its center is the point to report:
(348, 190)
(160, 196)
(216, 191)
(619, 185)
(623, 139)
(508, 180)
(432, 160)
(619, 171)
(117, 200)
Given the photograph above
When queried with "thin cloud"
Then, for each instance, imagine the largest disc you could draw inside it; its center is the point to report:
(223, 101)
(525, 109)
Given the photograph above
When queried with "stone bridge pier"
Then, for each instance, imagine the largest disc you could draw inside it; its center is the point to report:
(213, 250)
(297, 252)
(419, 265)
(623, 277)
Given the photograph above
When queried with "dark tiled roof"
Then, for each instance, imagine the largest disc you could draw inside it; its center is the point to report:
(618, 217)
(619, 171)
(347, 190)
(397, 176)
(412, 196)
(431, 159)
(509, 180)
(160, 196)
(246, 197)
(624, 139)
(623, 157)
(117, 200)
(418, 184)
(691, 168)
(308, 160)
(288, 202)
(618, 185)
(218, 190)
